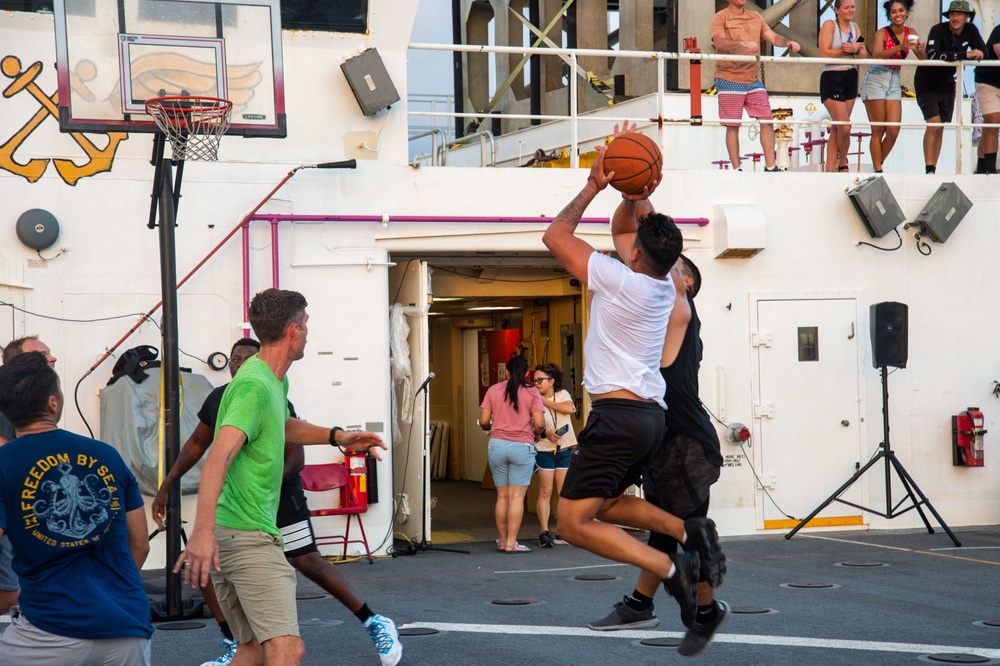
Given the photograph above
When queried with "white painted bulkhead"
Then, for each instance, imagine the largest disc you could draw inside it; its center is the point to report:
(111, 269)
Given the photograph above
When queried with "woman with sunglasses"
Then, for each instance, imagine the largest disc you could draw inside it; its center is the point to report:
(553, 447)
(512, 410)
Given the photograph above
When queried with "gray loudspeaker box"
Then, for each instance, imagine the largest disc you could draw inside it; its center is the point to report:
(943, 212)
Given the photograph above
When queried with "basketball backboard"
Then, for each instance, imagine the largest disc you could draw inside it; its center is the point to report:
(113, 55)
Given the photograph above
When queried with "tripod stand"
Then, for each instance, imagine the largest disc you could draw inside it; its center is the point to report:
(425, 545)
(892, 463)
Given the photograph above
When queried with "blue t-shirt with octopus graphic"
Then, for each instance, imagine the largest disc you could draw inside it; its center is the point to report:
(63, 500)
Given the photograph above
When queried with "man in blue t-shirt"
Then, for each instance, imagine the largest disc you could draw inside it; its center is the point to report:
(74, 516)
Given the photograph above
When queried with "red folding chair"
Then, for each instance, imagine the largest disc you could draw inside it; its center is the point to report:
(330, 476)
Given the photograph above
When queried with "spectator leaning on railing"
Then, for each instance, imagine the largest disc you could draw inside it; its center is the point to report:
(988, 93)
(951, 40)
(737, 31)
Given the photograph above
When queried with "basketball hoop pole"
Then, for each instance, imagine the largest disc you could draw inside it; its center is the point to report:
(166, 195)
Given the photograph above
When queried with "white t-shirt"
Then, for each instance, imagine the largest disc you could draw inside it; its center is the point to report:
(628, 322)
(555, 420)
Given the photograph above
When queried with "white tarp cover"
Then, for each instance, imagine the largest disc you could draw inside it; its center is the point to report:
(130, 423)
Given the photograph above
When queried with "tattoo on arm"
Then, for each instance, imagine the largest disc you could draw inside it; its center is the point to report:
(573, 211)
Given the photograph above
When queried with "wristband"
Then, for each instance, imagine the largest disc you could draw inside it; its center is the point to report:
(333, 435)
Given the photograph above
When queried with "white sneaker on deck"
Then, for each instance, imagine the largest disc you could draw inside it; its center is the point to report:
(386, 639)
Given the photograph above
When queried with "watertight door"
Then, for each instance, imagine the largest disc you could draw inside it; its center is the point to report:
(409, 288)
(807, 409)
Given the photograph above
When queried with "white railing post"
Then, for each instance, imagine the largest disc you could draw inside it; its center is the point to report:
(959, 91)
(574, 147)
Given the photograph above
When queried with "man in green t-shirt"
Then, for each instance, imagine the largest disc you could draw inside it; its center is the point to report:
(235, 539)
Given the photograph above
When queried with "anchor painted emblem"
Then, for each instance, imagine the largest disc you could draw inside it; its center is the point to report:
(100, 159)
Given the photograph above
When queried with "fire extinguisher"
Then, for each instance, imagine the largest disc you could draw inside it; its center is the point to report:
(967, 438)
(357, 469)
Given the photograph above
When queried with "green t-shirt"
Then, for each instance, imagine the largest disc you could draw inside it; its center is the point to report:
(256, 403)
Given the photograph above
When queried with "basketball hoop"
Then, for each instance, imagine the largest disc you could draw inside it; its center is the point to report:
(194, 125)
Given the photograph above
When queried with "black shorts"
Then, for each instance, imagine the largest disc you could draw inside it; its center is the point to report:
(613, 448)
(293, 522)
(680, 474)
(840, 85)
(668, 544)
(936, 105)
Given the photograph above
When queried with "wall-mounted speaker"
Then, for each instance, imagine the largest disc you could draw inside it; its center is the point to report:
(943, 213)
(889, 334)
(370, 82)
(876, 206)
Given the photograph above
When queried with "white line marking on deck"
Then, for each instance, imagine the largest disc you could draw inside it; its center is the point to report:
(741, 639)
(937, 552)
(590, 566)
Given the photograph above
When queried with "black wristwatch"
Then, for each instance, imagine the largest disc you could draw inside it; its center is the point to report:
(333, 435)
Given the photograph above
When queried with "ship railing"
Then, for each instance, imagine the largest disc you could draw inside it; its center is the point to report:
(575, 117)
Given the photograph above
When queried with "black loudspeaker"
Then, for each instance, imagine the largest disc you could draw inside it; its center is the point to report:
(943, 212)
(889, 324)
(875, 205)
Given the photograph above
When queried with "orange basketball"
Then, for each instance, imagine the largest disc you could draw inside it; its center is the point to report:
(636, 161)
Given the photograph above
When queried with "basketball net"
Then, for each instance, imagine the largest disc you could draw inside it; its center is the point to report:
(194, 125)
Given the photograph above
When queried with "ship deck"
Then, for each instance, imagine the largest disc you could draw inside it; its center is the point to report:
(872, 597)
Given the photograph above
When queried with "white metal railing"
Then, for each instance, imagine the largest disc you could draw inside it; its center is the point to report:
(662, 57)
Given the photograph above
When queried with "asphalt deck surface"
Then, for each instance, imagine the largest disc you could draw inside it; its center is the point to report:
(914, 595)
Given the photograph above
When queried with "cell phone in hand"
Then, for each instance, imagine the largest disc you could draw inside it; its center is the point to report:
(562, 431)
(861, 39)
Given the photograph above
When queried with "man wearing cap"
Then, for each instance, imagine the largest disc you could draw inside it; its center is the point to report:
(951, 40)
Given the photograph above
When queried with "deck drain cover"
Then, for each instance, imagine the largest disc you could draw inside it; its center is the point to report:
(860, 564)
(750, 610)
(417, 631)
(593, 577)
(992, 623)
(810, 586)
(661, 642)
(177, 626)
(514, 602)
(958, 658)
(301, 596)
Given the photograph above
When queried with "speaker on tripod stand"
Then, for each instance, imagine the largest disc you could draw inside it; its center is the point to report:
(889, 321)
(889, 331)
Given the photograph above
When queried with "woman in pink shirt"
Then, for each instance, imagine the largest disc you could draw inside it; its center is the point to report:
(512, 410)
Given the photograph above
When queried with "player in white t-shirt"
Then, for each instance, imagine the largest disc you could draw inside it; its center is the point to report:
(631, 305)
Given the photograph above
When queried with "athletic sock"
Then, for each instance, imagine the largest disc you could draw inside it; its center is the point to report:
(991, 162)
(673, 570)
(226, 631)
(930, 168)
(980, 165)
(363, 613)
(706, 613)
(639, 601)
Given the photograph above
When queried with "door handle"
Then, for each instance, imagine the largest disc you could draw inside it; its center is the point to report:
(845, 423)
(851, 336)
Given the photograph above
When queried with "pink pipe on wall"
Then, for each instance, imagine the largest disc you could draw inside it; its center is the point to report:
(430, 219)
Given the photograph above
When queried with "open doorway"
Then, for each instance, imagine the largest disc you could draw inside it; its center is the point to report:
(482, 309)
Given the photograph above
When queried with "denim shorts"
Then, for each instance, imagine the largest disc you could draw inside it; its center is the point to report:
(881, 82)
(511, 462)
(552, 460)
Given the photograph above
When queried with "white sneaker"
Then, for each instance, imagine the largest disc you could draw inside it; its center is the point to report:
(227, 657)
(386, 639)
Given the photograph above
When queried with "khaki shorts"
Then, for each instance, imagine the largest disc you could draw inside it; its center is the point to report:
(989, 100)
(256, 587)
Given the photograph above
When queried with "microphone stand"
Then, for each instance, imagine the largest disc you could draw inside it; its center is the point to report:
(425, 545)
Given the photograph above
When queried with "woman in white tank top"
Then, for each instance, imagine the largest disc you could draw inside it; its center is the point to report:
(838, 84)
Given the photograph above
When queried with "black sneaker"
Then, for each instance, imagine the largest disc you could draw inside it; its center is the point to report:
(703, 538)
(700, 635)
(545, 540)
(683, 585)
(625, 617)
